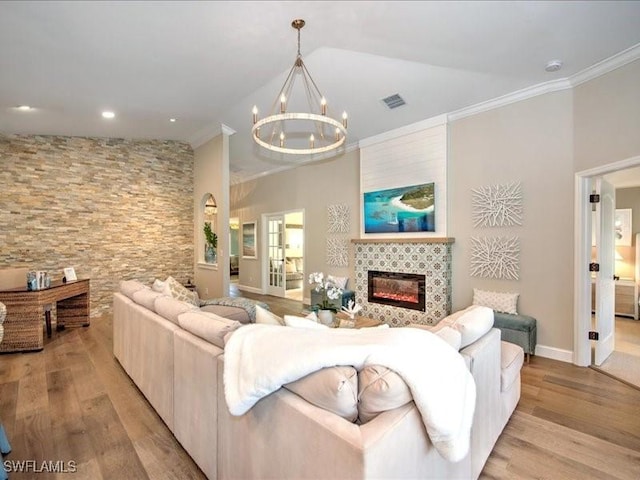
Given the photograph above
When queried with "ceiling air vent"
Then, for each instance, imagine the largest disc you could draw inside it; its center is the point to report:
(394, 101)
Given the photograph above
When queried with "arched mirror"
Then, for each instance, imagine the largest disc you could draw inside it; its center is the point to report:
(210, 213)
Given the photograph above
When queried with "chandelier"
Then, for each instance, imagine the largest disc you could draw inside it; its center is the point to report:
(296, 132)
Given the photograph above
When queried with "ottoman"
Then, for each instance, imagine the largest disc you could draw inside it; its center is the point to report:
(518, 329)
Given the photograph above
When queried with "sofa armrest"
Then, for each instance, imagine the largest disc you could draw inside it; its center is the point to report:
(483, 358)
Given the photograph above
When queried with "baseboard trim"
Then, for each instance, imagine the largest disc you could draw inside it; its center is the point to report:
(246, 288)
(554, 353)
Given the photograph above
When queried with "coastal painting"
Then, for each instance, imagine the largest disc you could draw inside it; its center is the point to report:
(403, 209)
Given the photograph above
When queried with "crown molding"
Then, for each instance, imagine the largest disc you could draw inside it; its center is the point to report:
(607, 65)
(207, 133)
(616, 61)
(509, 98)
(406, 130)
(227, 130)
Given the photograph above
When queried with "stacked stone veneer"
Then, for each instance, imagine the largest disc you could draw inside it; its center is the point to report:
(111, 208)
(430, 259)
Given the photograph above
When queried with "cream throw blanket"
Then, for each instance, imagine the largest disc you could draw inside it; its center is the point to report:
(259, 359)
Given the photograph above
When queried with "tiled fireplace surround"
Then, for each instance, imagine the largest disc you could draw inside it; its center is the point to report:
(426, 256)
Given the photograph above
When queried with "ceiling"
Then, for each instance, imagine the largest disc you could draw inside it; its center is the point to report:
(207, 63)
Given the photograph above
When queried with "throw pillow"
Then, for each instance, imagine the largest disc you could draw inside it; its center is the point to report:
(266, 317)
(180, 292)
(498, 301)
(159, 286)
(472, 323)
(290, 267)
(208, 326)
(340, 282)
(379, 390)
(300, 322)
(298, 262)
(334, 389)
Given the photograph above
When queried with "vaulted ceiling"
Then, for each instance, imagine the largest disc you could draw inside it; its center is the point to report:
(206, 64)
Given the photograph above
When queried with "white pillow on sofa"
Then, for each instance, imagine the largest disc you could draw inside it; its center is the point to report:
(266, 317)
(499, 301)
(307, 322)
(472, 323)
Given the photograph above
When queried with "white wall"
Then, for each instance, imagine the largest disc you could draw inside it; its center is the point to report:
(528, 142)
(312, 188)
(211, 175)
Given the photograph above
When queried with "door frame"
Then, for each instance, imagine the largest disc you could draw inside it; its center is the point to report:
(582, 256)
(264, 241)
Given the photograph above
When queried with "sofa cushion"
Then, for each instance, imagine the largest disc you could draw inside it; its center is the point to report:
(334, 389)
(379, 390)
(266, 317)
(498, 301)
(129, 287)
(147, 298)
(170, 308)
(511, 361)
(226, 311)
(208, 326)
(180, 292)
(472, 323)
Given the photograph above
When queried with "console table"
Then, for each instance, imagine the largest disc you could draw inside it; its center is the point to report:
(27, 308)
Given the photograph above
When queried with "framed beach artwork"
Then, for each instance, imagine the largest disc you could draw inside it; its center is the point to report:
(398, 210)
(249, 240)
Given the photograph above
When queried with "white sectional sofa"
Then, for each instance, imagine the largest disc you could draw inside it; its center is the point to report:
(176, 359)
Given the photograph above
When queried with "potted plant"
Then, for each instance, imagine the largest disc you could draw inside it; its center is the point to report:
(212, 243)
(330, 291)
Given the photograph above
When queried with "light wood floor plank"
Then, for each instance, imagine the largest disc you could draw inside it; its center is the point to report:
(73, 401)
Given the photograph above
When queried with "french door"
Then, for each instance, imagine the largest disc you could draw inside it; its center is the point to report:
(275, 266)
(604, 319)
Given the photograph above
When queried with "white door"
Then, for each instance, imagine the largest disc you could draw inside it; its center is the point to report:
(275, 255)
(604, 320)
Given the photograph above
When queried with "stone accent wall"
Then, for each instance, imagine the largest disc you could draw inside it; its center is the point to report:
(432, 259)
(111, 208)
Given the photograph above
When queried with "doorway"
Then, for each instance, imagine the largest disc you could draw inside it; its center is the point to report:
(626, 329)
(284, 244)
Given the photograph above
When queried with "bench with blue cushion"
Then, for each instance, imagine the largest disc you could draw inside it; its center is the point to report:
(518, 329)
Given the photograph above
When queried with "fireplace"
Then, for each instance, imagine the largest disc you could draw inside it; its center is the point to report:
(405, 290)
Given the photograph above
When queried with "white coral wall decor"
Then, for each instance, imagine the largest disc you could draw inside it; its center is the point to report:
(497, 205)
(495, 257)
(338, 218)
(337, 252)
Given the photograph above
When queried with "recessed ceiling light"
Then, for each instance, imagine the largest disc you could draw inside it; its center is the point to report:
(108, 114)
(553, 65)
(172, 120)
(24, 108)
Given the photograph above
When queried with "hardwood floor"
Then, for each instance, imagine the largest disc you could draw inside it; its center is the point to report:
(73, 404)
